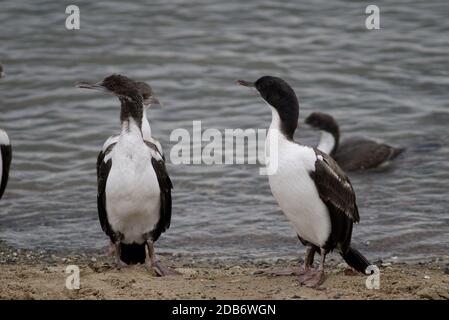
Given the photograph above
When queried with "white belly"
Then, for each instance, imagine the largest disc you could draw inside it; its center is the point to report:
(297, 195)
(132, 191)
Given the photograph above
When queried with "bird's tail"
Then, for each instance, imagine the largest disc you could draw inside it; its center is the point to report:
(132, 253)
(355, 259)
(396, 152)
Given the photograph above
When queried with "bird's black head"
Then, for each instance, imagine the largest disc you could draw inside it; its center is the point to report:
(2, 73)
(121, 86)
(323, 121)
(126, 90)
(147, 94)
(280, 95)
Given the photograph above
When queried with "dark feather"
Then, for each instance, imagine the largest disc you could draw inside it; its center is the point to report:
(6, 154)
(103, 169)
(336, 191)
(359, 154)
(101, 157)
(165, 186)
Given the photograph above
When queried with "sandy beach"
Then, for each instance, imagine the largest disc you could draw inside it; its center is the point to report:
(38, 275)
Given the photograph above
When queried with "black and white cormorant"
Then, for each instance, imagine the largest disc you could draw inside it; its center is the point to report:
(354, 153)
(148, 100)
(5, 154)
(309, 186)
(134, 189)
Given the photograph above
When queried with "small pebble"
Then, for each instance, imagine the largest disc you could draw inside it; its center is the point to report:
(426, 277)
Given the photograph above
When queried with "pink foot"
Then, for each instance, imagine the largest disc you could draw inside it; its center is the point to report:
(119, 264)
(111, 250)
(313, 279)
(162, 271)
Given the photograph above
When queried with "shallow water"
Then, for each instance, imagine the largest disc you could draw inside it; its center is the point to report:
(390, 84)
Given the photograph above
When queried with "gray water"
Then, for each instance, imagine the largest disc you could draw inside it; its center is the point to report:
(391, 84)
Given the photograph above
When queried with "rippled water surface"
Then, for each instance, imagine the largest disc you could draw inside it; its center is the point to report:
(391, 84)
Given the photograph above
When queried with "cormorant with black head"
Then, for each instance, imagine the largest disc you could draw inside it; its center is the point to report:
(148, 100)
(134, 189)
(355, 153)
(311, 189)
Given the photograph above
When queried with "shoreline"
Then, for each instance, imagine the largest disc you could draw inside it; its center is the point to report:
(29, 274)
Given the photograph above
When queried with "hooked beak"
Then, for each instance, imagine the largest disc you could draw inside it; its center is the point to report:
(152, 100)
(96, 86)
(246, 83)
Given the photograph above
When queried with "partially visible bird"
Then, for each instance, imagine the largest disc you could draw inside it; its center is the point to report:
(5, 153)
(5, 160)
(355, 153)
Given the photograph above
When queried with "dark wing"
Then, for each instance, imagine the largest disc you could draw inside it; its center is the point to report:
(336, 191)
(100, 159)
(6, 154)
(359, 154)
(165, 186)
(107, 148)
(103, 169)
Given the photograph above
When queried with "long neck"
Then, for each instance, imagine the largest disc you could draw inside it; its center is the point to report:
(285, 123)
(131, 114)
(146, 129)
(328, 142)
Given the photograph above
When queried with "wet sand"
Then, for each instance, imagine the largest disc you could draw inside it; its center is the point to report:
(39, 275)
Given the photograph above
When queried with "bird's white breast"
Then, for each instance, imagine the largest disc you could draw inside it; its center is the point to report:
(296, 193)
(132, 189)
